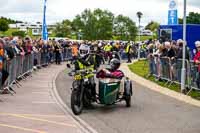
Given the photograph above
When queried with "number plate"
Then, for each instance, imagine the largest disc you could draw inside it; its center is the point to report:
(77, 77)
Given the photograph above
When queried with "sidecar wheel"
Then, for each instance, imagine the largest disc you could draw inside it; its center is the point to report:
(128, 101)
(76, 103)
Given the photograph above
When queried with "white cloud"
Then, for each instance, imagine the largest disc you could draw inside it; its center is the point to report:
(57, 10)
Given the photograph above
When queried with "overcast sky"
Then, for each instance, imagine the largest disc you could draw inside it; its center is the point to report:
(57, 10)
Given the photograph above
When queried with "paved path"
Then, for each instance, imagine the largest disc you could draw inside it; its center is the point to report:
(34, 109)
(151, 112)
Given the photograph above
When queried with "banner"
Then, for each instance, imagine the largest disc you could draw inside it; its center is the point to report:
(173, 13)
(44, 26)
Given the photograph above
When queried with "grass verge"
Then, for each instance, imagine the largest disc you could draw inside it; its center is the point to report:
(141, 68)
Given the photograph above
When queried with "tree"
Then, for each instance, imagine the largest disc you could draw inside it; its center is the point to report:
(96, 25)
(124, 28)
(152, 26)
(63, 29)
(3, 25)
(104, 25)
(19, 33)
(192, 18)
(10, 21)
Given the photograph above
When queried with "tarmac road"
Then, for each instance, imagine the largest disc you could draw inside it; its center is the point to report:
(151, 112)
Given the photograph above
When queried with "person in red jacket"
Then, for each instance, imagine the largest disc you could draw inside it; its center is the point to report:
(112, 72)
(197, 61)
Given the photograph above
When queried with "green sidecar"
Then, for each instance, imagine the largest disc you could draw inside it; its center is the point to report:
(112, 91)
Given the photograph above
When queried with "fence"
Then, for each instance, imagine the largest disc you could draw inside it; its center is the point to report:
(170, 71)
(22, 66)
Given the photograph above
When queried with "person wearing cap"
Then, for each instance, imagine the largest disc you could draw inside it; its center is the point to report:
(197, 61)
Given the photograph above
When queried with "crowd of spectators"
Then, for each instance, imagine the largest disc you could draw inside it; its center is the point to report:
(42, 53)
(168, 56)
(47, 52)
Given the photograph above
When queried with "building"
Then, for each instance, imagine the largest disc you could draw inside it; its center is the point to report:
(36, 28)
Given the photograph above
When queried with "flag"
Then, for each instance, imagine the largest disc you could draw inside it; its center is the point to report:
(44, 26)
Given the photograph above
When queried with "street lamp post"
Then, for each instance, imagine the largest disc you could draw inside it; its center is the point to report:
(183, 73)
(139, 15)
(139, 41)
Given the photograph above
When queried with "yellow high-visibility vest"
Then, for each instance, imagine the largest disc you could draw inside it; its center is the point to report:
(81, 66)
(107, 48)
(127, 48)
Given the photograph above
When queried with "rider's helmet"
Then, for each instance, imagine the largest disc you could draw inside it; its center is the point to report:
(115, 64)
(84, 50)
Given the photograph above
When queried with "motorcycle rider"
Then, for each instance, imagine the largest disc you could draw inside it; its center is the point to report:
(80, 61)
(96, 56)
(112, 72)
(85, 60)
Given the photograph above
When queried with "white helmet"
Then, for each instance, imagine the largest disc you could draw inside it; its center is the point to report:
(84, 50)
(100, 45)
(197, 44)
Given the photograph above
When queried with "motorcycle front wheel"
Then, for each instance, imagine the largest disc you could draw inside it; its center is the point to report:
(76, 102)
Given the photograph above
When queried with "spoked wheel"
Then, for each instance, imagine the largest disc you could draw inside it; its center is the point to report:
(86, 102)
(76, 102)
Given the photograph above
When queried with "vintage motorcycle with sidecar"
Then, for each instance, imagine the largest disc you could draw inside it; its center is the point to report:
(109, 90)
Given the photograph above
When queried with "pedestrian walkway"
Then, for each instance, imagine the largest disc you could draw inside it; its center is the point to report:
(34, 109)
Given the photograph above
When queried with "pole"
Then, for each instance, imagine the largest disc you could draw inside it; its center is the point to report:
(139, 42)
(184, 45)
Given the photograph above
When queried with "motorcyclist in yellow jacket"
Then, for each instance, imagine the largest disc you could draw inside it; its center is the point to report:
(84, 61)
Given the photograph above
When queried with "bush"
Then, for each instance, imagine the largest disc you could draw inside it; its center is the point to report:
(18, 33)
(3, 25)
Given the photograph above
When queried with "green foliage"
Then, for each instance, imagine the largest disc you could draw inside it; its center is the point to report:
(3, 25)
(97, 25)
(10, 21)
(144, 38)
(153, 26)
(94, 25)
(124, 28)
(18, 33)
(63, 29)
(192, 18)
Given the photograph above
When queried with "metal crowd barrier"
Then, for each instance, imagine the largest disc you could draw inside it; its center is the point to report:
(194, 76)
(170, 71)
(65, 54)
(18, 68)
